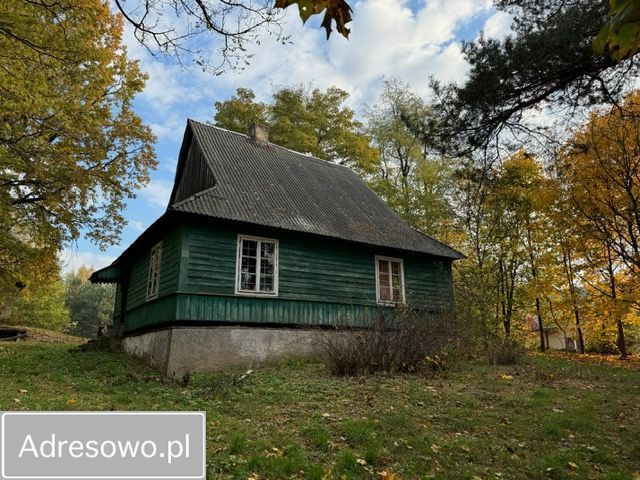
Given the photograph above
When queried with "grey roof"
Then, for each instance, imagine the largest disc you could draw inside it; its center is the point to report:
(265, 184)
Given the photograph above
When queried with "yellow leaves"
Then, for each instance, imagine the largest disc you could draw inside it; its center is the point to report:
(506, 377)
(572, 466)
(274, 453)
(388, 476)
(66, 104)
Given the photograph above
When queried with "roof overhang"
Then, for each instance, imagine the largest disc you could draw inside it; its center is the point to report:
(110, 274)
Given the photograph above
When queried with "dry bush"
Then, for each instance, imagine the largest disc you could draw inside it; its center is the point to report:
(406, 339)
(506, 351)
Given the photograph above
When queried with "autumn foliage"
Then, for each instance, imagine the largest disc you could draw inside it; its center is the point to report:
(72, 150)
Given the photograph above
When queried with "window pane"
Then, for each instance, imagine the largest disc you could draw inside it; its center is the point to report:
(383, 280)
(396, 281)
(249, 248)
(266, 283)
(266, 266)
(267, 250)
(248, 272)
(397, 291)
(248, 282)
(385, 294)
(395, 268)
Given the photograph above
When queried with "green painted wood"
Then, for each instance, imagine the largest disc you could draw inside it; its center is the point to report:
(169, 270)
(160, 310)
(320, 282)
(118, 303)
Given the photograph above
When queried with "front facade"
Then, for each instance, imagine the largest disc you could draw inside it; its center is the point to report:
(256, 255)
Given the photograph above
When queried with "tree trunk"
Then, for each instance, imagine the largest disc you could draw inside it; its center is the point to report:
(568, 266)
(534, 275)
(620, 340)
(540, 324)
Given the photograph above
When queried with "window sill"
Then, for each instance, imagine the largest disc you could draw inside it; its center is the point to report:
(257, 294)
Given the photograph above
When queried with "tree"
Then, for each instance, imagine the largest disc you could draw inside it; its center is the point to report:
(525, 197)
(42, 304)
(620, 36)
(307, 121)
(408, 177)
(71, 148)
(547, 61)
(90, 305)
(240, 111)
(601, 168)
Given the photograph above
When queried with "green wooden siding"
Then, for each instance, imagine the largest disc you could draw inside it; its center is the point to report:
(320, 282)
(160, 310)
(272, 310)
(169, 270)
(310, 269)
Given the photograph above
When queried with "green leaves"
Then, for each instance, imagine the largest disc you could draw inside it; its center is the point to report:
(334, 10)
(620, 36)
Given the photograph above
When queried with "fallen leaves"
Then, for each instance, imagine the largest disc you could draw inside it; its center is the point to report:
(388, 476)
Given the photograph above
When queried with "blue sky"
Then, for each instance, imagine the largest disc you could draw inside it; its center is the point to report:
(389, 38)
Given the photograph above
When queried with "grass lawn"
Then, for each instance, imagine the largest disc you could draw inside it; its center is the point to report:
(553, 418)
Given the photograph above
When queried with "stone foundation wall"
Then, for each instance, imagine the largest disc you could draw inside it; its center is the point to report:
(177, 350)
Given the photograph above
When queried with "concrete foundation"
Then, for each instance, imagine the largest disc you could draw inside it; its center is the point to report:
(177, 350)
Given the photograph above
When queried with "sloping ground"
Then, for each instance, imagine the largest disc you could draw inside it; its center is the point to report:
(632, 361)
(552, 419)
(40, 335)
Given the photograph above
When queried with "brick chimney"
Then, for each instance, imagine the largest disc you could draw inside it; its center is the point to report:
(259, 133)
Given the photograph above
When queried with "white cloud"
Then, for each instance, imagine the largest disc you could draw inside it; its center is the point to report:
(498, 25)
(157, 193)
(71, 260)
(137, 226)
(388, 39)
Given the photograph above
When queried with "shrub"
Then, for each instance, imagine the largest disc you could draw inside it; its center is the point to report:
(505, 351)
(407, 339)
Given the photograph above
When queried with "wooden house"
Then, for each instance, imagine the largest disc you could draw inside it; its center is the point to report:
(259, 249)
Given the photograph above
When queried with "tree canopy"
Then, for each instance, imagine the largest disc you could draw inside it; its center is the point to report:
(305, 120)
(71, 148)
(547, 61)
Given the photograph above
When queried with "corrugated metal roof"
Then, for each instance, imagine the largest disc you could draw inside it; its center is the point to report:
(265, 184)
(109, 274)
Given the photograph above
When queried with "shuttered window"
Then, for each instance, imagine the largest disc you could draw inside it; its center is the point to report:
(389, 280)
(257, 266)
(153, 281)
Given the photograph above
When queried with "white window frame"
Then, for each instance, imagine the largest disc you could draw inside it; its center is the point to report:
(276, 266)
(155, 261)
(389, 259)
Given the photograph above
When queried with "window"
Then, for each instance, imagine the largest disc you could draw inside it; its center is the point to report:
(153, 282)
(389, 280)
(257, 266)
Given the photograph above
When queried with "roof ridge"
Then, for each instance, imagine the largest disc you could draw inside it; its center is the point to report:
(303, 155)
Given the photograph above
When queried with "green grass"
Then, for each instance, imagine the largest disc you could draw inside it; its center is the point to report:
(554, 419)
